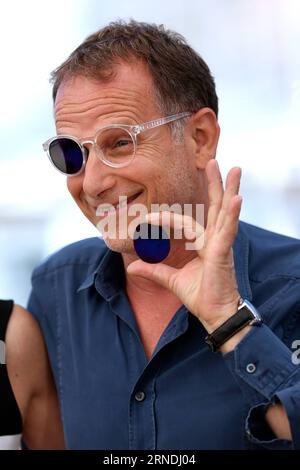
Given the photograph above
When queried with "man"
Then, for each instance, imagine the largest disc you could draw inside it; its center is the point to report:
(127, 340)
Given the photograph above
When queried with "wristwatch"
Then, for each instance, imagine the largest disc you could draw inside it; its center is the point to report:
(246, 315)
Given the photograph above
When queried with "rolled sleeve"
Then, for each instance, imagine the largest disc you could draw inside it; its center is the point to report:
(263, 367)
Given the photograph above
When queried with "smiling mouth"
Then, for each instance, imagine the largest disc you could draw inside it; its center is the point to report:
(104, 210)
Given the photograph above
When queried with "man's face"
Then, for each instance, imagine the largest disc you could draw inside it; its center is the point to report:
(161, 172)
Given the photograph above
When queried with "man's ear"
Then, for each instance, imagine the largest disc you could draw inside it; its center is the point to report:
(204, 132)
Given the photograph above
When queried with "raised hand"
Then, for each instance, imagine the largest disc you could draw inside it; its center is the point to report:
(207, 284)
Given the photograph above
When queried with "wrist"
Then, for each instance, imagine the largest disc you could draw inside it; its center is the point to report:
(226, 336)
(232, 342)
(224, 313)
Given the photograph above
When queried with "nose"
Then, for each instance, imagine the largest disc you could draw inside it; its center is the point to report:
(97, 177)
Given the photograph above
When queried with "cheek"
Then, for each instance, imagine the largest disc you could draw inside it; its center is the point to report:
(165, 175)
(181, 177)
(148, 157)
(152, 163)
(74, 186)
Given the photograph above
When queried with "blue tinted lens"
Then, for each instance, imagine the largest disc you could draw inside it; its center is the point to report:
(151, 243)
(66, 155)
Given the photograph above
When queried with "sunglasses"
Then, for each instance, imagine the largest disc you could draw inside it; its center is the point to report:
(115, 145)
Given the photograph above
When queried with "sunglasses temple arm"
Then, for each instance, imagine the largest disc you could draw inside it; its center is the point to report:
(160, 122)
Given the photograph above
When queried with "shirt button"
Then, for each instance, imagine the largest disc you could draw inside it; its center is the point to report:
(251, 368)
(139, 396)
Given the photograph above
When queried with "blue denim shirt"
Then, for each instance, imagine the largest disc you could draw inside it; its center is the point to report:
(186, 396)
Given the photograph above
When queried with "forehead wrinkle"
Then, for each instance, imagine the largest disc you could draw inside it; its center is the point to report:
(114, 94)
(98, 109)
(111, 115)
(110, 118)
(132, 113)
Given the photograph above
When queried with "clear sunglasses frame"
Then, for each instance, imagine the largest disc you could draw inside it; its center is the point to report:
(132, 130)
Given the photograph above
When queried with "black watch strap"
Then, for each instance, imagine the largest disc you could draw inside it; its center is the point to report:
(243, 317)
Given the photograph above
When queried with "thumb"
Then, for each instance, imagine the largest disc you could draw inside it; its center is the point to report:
(159, 273)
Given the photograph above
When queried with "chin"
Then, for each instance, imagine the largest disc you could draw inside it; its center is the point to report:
(116, 236)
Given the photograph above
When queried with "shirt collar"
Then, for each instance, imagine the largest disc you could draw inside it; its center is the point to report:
(108, 277)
